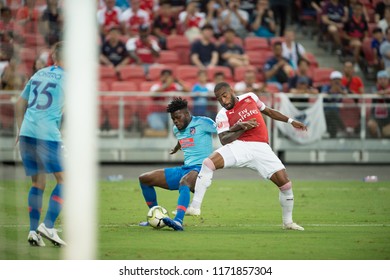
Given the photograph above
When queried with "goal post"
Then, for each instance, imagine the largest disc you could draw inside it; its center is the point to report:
(81, 58)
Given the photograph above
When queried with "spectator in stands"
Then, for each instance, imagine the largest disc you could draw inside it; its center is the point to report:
(158, 119)
(355, 30)
(379, 123)
(280, 10)
(302, 71)
(380, 9)
(203, 51)
(377, 40)
(350, 5)
(385, 22)
(109, 16)
(303, 86)
(385, 50)
(332, 112)
(235, 18)
(132, 18)
(113, 52)
(27, 17)
(192, 21)
(164, 24)
(231, 54)
(214, 9)
(200, 93)
(7, 23)
(178, 6)
(143, 49)
(11, 78)
(278, 69)
(263, 23)
(350, 81)
(292, 50)
(122, 4)
(52, 22)
(219, 77)
(249, 84)
(334, 15)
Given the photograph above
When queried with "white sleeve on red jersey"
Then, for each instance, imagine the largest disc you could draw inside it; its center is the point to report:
(125, 16)
(259, 103)
(222, 121)
(130, 44)
(100, 16)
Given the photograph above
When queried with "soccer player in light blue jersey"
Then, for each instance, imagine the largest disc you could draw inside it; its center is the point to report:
(194, 135)
(39, 113)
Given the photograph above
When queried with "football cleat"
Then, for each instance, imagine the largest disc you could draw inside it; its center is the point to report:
(143, 224)
(51, 234)
(173, 224)
(293, 226)
(35, 239)
(191, 211)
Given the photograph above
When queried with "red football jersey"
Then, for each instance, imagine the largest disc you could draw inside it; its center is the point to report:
(248, 107)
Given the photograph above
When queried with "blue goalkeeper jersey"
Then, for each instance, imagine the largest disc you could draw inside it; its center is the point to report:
(45, 95)
(196, 140)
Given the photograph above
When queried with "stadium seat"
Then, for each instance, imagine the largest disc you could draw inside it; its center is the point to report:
(312, 59)
(169, 58)
(103, 86)
(272, 88)
(145, 86)
(111, 110)
(224, 69)
(239, 72)
(133, 73)
(350, 113)
(181, 45)
(188, 73)
(34, 40)
(368, 54)
(256, 44)
(155, 71)
(27, 57)
(107, 74)
(321, 76)
(273, 40)
(258, 59)
(124, 86)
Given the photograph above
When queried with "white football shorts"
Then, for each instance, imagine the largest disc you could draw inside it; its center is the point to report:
(254, 155)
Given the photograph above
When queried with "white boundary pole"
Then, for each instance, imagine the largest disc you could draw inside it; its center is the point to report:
(81, 58)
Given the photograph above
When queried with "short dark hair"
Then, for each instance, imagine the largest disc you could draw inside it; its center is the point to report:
(219, 73)
(377, 30)
(207, 26)
(231, 30)
(221, 85)
(301, 59)
(176, 104)
(166, 71)
(277, 43)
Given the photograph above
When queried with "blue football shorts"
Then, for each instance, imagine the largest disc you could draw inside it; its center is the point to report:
(40, 156)
(173, 175)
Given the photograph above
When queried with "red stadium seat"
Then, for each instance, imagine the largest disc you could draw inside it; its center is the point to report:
(258, 59)
(239, 72)
(168, 58)
(188, 73)
(350, 113)
(133, 73)
(321, 76)
(124, 86)
(224, 69)
(368, 52)
(273, 40)
(33, 40)
(145, 86)
(312, 59)
(107, 74)
(111, 110)
(181, 45)
(256, 44)
(103, 86)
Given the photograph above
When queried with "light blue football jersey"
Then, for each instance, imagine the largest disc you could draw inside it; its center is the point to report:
(45, 95)
(196, 139)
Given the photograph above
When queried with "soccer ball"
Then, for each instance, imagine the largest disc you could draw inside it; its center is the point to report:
(155, 216)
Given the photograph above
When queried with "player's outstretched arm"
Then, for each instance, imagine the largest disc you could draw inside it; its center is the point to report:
(175, 149)
(276, 115)
(236, 131)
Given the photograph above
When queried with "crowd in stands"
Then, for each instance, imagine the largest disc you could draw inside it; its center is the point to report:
(188, 46)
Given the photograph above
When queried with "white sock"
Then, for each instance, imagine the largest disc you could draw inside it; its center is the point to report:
(286, 199)
(202, 183)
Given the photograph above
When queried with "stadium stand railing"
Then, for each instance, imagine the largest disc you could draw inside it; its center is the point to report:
(124, 135)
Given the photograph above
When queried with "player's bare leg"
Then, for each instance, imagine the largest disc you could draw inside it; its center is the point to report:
(286, 199)
(213, 162)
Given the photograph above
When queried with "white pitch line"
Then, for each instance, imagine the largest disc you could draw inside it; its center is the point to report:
(230, 225)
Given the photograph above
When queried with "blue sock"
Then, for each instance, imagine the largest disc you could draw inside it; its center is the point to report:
(55, 206)
(182, 203)
(149, 194)
(34, 206)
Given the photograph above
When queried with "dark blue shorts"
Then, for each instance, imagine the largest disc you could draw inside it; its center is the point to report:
(173, 175)
(40, 156)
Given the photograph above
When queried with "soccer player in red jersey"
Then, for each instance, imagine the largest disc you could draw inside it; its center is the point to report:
(242, 131)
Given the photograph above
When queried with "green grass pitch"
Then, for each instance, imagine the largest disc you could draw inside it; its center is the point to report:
(241, 219)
